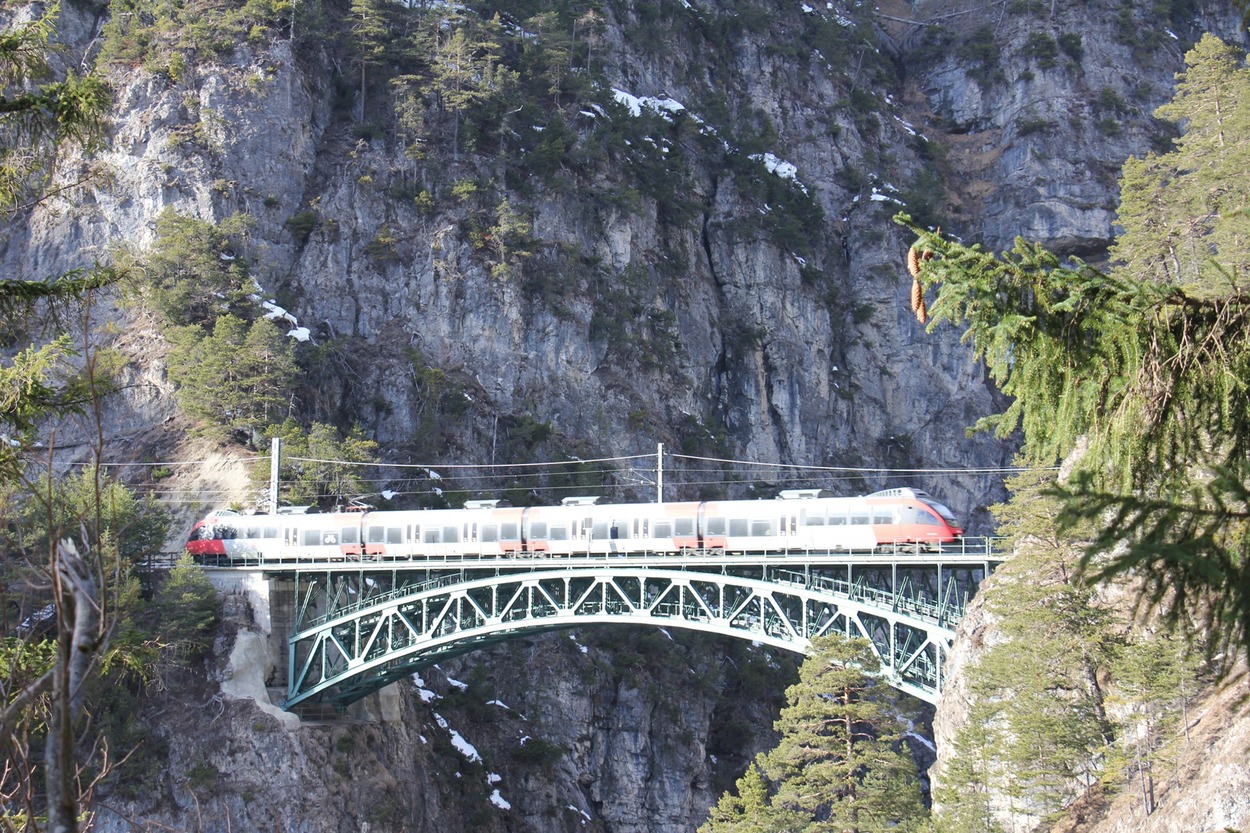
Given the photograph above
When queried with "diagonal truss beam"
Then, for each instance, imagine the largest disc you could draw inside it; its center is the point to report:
(346, 652)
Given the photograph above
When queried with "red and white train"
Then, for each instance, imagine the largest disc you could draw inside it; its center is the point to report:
(799, 520)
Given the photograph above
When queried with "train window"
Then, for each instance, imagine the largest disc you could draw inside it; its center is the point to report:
(599, 530)
(347, 535)
(251, 532)
(738, 526)
(509, 532)
(663, 529)
(685, 526)
(882, 517)
(451, 534)
(837, 520)
(715, 526)
(859, 520)
(538, 529)
(815, 520)
(559, 533)
(312, 537)
(394, 535)
(375, 534)
(915, 515)
(762, 529)
(490, 532)
(946, 514)
(269, 532)
(433, 535)
(225, 533)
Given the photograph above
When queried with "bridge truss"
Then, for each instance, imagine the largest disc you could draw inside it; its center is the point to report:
(361, 627)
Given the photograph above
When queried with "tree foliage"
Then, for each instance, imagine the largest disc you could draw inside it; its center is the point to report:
(1181, 214)
(319, 467)
(841, 763)
(1068, 697)
(237, 378)
(1147, 377)
(195, 270)
(184, 610)
(40, 118)
(1040, 721)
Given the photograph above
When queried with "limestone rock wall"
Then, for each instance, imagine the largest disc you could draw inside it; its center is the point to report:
(960, 109)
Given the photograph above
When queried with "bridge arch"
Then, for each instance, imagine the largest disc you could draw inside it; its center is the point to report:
(352, 648)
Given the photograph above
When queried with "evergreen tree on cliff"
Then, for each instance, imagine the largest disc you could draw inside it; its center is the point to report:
(840, 764)
(1144, 369)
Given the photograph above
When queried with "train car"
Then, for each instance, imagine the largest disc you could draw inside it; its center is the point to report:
(482, 528)
(585, 526)
(233, 536)
(915, 517)
(810, 520)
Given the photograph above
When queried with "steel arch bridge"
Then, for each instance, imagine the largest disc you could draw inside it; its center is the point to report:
(360, 627)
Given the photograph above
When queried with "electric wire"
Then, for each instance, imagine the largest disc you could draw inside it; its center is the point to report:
(531, 477)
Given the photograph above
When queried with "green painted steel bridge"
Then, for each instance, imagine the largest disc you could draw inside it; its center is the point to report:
(358, 626)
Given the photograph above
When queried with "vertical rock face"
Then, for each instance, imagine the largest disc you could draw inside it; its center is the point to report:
(625, 731)
(714, 319)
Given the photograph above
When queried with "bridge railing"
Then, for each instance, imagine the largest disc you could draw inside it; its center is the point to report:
(919, 606)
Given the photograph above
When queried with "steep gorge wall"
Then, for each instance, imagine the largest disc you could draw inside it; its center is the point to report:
(806, 360)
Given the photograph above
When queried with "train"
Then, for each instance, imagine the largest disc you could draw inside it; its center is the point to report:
(802, 520)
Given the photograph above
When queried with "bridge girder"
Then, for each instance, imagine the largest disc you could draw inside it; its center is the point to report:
(351, 648)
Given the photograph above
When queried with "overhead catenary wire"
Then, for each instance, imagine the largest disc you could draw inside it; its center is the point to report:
(872, 469)
(758, 466)
(530, 477)
(575, 461)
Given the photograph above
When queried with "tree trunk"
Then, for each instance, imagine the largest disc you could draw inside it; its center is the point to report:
(79, 639)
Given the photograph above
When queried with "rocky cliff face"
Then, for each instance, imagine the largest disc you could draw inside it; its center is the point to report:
(710, 319)
(608, 729)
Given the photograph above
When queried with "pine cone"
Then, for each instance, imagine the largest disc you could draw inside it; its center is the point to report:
(913, 261)
(917, 296)
(922, 312)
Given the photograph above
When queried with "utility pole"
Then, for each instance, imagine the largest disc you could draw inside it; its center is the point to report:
(659, 473)
(275, 458)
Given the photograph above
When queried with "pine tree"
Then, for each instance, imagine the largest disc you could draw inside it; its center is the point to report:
(749, 809)
(964, 798)
(466, 69)
(841, 763)
(195, 269)
(185, 609)
(1179, 210)
(1154, 678)
(240, 377)
(1151, 378)
(371, 34)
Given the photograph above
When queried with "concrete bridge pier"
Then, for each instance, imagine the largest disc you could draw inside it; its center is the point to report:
(260, 659)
